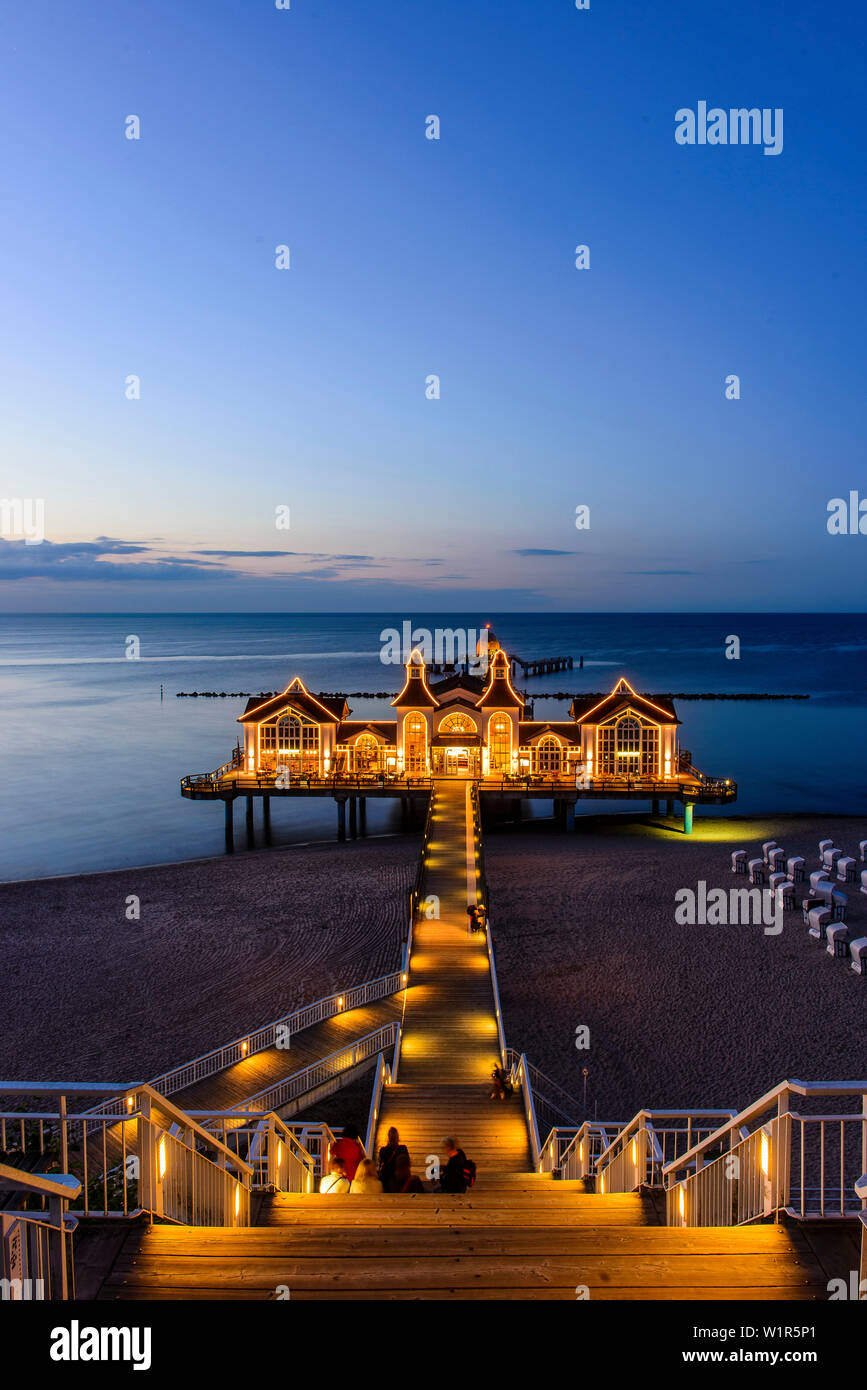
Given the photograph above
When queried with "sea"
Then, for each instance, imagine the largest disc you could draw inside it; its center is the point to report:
(97, 735)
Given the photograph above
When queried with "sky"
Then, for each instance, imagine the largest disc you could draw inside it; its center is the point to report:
(262, 389)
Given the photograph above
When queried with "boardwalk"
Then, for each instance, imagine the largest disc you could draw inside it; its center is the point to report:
(449, 1045)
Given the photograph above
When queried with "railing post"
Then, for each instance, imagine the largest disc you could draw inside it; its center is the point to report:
(784, 1156)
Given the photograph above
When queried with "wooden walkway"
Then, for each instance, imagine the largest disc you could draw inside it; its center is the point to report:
(227, 1089)
(449, 1045)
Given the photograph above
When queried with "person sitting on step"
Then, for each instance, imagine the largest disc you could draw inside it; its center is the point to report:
(387, 1155)
(403, 1179)
(335, 1183)
(366, 1183)
(349, 1148)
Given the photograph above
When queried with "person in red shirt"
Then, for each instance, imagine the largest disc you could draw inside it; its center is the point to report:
(349, 1148)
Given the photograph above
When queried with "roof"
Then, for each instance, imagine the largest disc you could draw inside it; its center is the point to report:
(473, 685)
(659, 708)
(531, 729)
(296, 696)
(386, 729)
(415, 693)
(498, 692)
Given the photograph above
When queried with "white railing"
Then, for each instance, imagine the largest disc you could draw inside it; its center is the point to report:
(154, 1159)
(322, 1077)
(36, 1246)
(640, 1150)
(771, 1159)
(278, 1158)
(316, 1140)
(501, 1035)
(574, 1151)
(276, 1034)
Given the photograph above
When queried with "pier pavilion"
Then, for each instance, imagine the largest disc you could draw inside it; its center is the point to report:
(619, 746)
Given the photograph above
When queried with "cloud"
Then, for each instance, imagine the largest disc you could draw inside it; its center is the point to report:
(86, 560)
(531, 550)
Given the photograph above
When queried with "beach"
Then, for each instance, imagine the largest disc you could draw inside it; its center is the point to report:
(679, 1015)
(221, 946)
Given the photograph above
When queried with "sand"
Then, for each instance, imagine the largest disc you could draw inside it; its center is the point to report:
(222, 946)
(679, 1016)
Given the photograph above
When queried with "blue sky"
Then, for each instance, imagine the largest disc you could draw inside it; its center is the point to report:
(409, 257)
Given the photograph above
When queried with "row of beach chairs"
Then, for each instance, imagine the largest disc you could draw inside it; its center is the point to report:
(826, 905)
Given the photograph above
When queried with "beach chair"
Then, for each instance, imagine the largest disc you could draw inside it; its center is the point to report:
(830, 857)
(823, 845)
(777, 860)
(839, 906)
(807, 905)
(776, 881)
(816, 877)
(858, 952)
(838, 942)
(796, 869)
(757, 870)
(818, 919)
(739, 861)
(784, 895)
(862, 850)
(864, 880)
(846, 869)
(767, 847)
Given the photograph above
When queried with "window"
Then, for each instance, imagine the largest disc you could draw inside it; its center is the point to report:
(548, 757)
(414, 744)
(628, 747)
(458, 724)
(366, 754)
(500, 743)
(290, 737)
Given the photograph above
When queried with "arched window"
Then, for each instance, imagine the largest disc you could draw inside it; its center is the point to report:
(292, 739)
(500, 743)
(628, 737)
(415, 744)
(366, 754)
(548, 756)
(458, 724)
(628, 747)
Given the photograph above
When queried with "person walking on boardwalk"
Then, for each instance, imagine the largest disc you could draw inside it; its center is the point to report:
(366, 1183)
(335, 1183)
(387, 1156)
(349, 1148)
(403, 1179)
(460, 1171)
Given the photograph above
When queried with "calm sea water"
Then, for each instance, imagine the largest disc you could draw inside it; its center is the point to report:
(94, 753)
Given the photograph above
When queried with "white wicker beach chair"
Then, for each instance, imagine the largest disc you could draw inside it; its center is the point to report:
(797, 869)
(858, 952)
(830, 857)
(776, 880)
(777, 860)
(839, 906)
(757, 870)
(807, 905)
(864, 880)
(767, 847)
(823, 845)
(785, 895)
(819, 918)
(862, 850)
(739, 861)
(838, 941)
(818, 876)
(847, 869)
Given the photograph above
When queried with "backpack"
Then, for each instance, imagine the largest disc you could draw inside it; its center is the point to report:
(469, 1172)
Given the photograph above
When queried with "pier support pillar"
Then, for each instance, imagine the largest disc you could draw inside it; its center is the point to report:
(341, 819)
(353, 818)
(404, 813)
(251, 833)
(362, 816)
(517, 810)
(669, 808)
(230, 824)
(654, 807)
(570, 817)
(266, 818)
(687, 818)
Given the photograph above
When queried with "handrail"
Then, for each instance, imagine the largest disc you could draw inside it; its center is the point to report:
(260, 1039)
(291, 1089)
(44, 1264)
(814, 1089)
(541, 1083)
(501, 1035)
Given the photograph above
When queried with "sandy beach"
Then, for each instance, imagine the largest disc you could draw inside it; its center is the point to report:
(678, 1015)
(222, 946)
(586, 934)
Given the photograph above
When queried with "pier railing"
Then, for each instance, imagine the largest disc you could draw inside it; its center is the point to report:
(232, 778)
(771, 1159)
(278, 1158)
(638, 1153)
(155, 1159)
(277, 1034)
(36, 1245)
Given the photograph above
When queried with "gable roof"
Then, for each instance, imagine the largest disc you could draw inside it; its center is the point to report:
(296, 696)
(473, 685)
(532, 729)
(385, 729)
(415, 693)
(659, 708)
